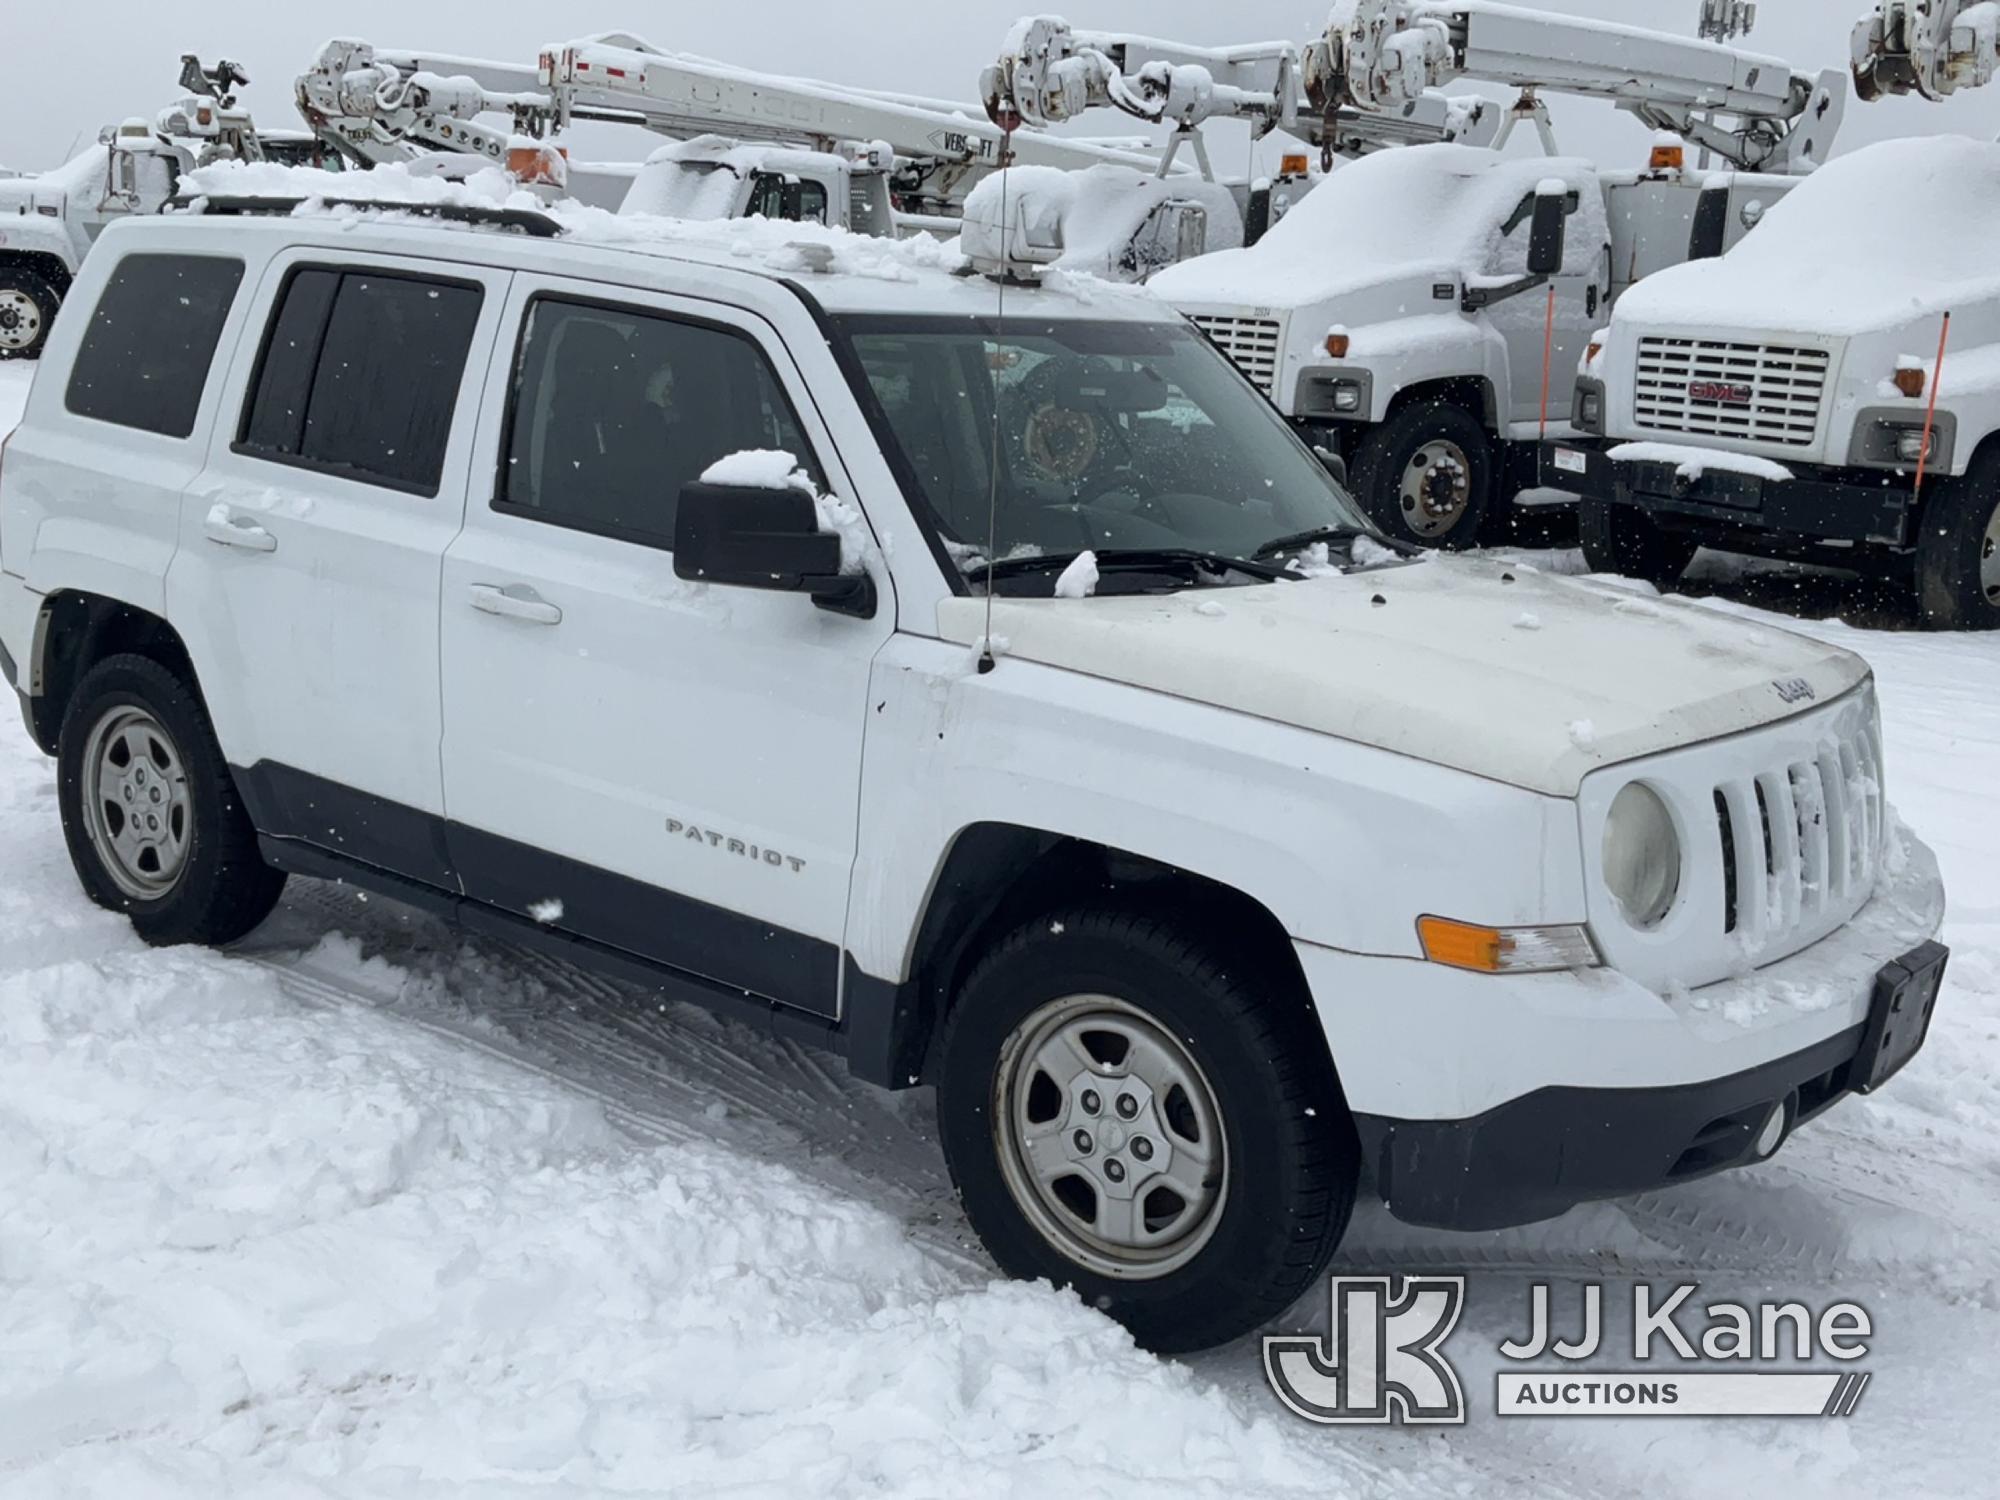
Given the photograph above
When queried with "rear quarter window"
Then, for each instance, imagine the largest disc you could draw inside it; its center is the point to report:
(145, 357)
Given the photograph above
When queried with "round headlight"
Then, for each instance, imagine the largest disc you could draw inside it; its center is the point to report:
(1642, 856)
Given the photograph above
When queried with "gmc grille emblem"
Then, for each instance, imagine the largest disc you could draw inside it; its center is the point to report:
(1721, 392)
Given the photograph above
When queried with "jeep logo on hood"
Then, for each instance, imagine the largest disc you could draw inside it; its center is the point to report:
(1720, 392)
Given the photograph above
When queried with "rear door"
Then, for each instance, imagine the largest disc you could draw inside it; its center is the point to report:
(306, 583)
(670, 768)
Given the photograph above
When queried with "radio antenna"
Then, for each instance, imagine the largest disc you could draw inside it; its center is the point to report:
(1009, 119)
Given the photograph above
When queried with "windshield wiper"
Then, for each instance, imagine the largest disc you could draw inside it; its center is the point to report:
(1331, 535)
(1134, 560)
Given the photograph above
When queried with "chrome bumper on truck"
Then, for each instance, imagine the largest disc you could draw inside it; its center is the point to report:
(1861, 506)
(1483, 1102)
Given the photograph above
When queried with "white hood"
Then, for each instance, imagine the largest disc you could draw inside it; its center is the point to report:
(1534, 682)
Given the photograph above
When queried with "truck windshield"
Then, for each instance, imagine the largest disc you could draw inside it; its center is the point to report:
(1125, 438)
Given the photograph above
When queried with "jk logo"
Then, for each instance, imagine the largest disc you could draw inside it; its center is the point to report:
(1381, 1359)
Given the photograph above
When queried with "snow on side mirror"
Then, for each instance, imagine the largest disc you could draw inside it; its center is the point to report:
(1548, 231)
(755, 537)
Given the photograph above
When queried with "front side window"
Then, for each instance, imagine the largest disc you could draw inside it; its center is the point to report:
(360, 375)
(615, 410)
(1043, 440)
(145, 358)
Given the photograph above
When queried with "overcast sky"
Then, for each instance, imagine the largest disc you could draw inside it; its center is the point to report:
(80, 65)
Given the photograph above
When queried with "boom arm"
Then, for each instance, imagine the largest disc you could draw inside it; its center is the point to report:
(1382, 54)
(1928, 47)
(1048, 73)
(368, 106)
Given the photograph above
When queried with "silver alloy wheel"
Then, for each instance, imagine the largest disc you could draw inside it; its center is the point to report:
(1109, 1137)
(1989, 558)
(20, 318)
(136, 804)
(1437, 488)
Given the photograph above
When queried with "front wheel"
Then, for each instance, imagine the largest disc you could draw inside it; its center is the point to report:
(1623, 539)
(154, 824)
(1426, 475)
(1958, 552)
(1125, 1113)
(27, 311)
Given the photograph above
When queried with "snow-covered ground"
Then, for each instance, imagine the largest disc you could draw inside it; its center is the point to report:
(366, 1209)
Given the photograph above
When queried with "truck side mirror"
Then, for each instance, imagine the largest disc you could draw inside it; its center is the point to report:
(1548, 233)
(1711, 224)
(745, 537)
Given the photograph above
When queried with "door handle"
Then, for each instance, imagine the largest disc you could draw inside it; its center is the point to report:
(514, 602)
(226, 529)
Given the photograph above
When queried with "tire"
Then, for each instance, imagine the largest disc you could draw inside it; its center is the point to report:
(1429, 448)
(1623, 539)
(1958, 552)
(27, 312)
(1255, 1095)
(197, 876)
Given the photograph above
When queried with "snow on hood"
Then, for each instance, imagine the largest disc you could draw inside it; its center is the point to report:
(1883, 236)
(1414, 212)
(1098, 211)
(1445, 661)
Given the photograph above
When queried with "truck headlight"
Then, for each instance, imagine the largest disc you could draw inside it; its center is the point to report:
(1346, 396)
(1642, 856)
(1592, 412)
(1911, 445)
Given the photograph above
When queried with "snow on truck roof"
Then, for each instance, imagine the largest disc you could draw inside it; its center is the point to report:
(1885, 235)
(1412, 211)
(845, 272)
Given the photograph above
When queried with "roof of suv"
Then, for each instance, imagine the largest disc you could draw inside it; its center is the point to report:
(840, 271)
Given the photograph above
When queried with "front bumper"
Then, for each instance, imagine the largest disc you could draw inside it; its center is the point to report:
(1859, 507)
(1483, 1102)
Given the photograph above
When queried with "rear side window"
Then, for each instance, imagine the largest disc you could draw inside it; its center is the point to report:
(614, 410)
(145, 358)
(360, 375)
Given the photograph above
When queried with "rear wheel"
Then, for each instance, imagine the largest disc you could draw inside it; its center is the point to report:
(150, 810)
(1623, 539)
(1958, 552)
(1127, 1114)
(1426, 475)
(27, 311)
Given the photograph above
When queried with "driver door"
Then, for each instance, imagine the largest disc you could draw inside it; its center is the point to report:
(668, 768)
(1524, 320)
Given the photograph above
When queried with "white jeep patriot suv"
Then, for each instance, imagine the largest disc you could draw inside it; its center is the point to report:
(1223, 872)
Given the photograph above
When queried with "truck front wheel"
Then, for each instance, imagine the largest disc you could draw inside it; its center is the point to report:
(1958, 552)
(1625, 540)
(1425, 476)
(1126, 1113)
(27, 311)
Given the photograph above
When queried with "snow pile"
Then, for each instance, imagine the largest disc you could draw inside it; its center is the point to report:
(774, 469)
(1412, 214)
(1692, 463)
(1079, 579)
(1887, 235)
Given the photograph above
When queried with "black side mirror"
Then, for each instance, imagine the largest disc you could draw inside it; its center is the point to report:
(1333, 463)
(1711, 224)
(1548, 234)
(750, 538)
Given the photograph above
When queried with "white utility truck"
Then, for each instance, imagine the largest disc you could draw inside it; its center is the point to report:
(1409, 312)
(1829, 390)
(49, 220)
(967, 673)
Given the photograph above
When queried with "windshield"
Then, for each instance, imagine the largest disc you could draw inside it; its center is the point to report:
(1111, 438)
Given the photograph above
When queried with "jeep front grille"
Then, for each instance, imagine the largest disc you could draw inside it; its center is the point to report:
(1759, 393)
(1251, 344)
(1801, 840)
